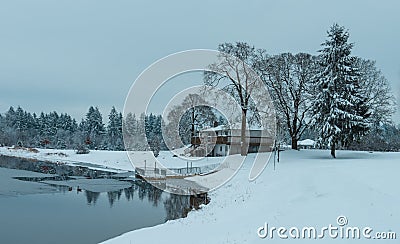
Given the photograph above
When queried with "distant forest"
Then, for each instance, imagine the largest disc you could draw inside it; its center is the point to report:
(53, 130)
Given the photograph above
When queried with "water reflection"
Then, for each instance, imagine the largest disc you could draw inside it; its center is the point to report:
(91, 197)
(151, 193)
(144, 192)
(177, 206)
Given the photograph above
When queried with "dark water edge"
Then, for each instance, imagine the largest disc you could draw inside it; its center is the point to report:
(68, 212)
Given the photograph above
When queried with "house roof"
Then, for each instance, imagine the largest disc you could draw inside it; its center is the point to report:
(234, 126)
(217, 128)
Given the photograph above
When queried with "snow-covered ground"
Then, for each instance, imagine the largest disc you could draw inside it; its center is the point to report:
(308, 188)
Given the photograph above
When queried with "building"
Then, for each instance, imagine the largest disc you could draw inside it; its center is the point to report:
(222, 141)
(306, 144)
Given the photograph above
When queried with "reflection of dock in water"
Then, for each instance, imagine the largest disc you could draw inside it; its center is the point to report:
(177, 186)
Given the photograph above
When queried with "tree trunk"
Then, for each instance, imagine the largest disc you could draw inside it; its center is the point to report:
(333, 148)
(243, 144)
(294, 143)
(192, 126)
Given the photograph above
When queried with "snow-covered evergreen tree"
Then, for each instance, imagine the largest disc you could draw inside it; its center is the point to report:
(153, 132)
(2, 129)
(114, 130)
(94, 128)
(340, 109)
(129, 130)
(10, 117)
(140, 134)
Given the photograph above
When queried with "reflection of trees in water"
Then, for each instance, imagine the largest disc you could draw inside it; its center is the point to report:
(154, 195)
(146, 190)
(91, 197)
(141, 188)
(129, 193)
(176, 206)
(114, 195)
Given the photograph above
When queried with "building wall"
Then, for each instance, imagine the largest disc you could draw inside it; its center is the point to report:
(227, 142)
(221, 150)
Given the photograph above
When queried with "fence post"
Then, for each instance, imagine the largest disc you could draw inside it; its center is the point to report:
(274, 154)
(279, 146)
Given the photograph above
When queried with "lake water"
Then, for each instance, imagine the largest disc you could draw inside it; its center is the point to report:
(77, 207)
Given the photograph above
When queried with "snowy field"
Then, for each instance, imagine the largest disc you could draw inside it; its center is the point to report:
(308, 188)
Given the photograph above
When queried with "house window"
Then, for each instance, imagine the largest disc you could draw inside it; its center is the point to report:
(220, 148)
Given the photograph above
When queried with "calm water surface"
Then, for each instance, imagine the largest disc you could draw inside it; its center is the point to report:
(35, 212)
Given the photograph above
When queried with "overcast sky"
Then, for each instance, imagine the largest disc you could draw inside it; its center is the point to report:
(67, 55)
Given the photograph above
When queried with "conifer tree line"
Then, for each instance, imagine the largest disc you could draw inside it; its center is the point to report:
(53, 130)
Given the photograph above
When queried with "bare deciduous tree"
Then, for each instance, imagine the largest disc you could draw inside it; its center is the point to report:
(234, 67)
(190, 116)
(380, 99)
(289, 77)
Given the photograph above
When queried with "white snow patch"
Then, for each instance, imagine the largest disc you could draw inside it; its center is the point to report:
(306, 142)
